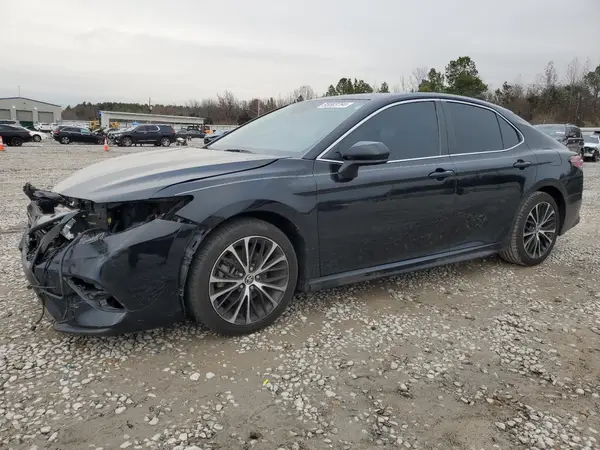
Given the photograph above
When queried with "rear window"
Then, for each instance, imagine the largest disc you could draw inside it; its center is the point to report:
(552, 130)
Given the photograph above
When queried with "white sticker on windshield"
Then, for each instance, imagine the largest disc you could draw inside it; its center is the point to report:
(335, 104)
(559, 132)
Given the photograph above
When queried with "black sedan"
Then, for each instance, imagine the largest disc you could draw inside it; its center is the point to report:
(66, 135)
(191, 134)
(14, 135)
(314, 195)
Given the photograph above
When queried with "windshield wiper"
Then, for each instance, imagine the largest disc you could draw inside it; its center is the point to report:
(237, 150)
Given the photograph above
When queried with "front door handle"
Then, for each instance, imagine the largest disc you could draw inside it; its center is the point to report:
(441, 174)
(520, 164)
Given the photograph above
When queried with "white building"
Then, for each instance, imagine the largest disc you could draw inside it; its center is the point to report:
(127, 119)
(29, 111)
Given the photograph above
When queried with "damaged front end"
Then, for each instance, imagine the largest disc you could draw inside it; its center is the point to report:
(105, 268)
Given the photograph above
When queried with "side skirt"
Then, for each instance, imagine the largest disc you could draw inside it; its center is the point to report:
(411, 265)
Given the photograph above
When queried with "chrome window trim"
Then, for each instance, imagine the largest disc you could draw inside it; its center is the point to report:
(495, 112)
(374, 113)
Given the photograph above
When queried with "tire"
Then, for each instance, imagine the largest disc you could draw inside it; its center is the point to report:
(596, 156)
(65, 140)
(126, 142)
(16, 141)
(206, 262)
(36, 138)
(165, 142)
(516, 251)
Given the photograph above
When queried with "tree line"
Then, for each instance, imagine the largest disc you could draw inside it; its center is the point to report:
(573, 97)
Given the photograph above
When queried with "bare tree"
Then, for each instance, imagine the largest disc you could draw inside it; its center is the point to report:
(401, 86)
(306, 92)
(418, 75)
(228, 104)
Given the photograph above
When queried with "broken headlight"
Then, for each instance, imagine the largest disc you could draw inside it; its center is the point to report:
(122, 216)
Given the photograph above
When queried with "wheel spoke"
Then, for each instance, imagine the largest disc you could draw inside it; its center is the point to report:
(266, 258)
(234, 252)
(267, 295)
(245, 297)
(216, 295)
(271, 264)
(270, 286)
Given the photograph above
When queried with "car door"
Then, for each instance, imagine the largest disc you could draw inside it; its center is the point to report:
(140, 135)
(86, 136)
(494, 167)
(152, 134)
(391, 212)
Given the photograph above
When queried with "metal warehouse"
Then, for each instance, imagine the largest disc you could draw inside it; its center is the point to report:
(28, 111)
(128, 118)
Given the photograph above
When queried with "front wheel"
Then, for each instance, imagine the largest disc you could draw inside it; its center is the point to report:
(126, 141)
(16, 142)
(242, 278)
(36, 138)
(534, 232)
(165, 142)
(596, 156)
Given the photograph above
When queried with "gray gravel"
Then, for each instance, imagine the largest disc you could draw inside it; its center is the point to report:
(470, 356)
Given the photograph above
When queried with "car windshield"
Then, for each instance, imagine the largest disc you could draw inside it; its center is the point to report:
(552, 130)
(592, 139)
(291, 130)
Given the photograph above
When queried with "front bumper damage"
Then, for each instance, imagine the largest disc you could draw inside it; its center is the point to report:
(101, 282)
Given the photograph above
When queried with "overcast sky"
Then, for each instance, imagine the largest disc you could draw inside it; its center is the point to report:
(128, 50)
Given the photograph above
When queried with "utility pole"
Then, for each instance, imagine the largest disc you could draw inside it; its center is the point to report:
(150, 104)
(19, 89)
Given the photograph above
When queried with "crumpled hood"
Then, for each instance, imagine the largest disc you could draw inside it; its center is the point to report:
(138, 176)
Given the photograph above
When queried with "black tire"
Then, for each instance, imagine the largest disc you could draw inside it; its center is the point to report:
(126, 141)
(596, 156)
(16, 141)
(36, 138)
(197, 286)
(514, 251)
(165, 142)
(65, 140)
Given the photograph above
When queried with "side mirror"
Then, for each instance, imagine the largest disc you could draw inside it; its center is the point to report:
(362, 153)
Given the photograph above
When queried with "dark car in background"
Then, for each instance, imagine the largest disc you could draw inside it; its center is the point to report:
(192, 133)
(14, 135)
(567, 134)
(146, 134)
(215, 135)
(66, 135)
(316, 194)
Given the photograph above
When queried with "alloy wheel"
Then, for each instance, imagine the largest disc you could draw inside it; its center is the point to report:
(539, 230)
(249, 280)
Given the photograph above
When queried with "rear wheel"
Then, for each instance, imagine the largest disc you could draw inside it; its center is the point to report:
(16, 141)
(36, 138)
(126, 141)
(165, 142)
(65, 140)
(534, 232)
(242, 277)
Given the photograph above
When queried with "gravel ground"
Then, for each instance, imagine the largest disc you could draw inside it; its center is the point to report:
(477, 355)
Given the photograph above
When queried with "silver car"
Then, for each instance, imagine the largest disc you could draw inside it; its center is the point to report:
(591, 147)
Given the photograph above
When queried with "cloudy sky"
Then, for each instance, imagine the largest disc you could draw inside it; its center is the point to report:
(71, 51)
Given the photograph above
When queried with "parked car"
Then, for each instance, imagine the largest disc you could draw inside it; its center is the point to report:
(36, 136)
(191, 134)
(45, 127)
(66, 135)
(317, 194)
(14, 135)
(211, 137)
(569, 135)
(145, 134)
(591, 147)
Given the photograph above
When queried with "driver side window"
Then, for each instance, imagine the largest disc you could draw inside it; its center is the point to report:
(409, 130)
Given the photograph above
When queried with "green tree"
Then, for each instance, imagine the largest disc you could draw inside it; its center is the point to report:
(361, 87)
(462, 78)
(592, 80)
(347, 86)
(384, 88)
(331, 91)
(433, 83)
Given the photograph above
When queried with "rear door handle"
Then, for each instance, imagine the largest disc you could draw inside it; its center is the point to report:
(520, 164)
(441, 174)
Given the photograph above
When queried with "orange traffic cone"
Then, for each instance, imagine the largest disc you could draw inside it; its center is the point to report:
(105, 144)
(1, 145)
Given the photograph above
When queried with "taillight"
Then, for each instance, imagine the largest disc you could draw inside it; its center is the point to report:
(576, 161)
(56, 131)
